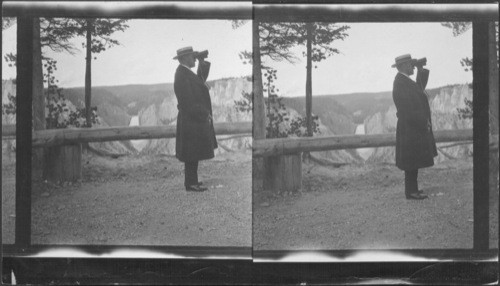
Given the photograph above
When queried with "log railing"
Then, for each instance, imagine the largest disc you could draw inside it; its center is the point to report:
(54, 137)
(284, 146)
(261, 148)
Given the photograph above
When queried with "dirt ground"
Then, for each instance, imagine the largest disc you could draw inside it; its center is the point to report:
(139, 200)
(363, 207)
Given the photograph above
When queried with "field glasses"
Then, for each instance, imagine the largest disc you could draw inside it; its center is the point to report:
(419, 62)
(202, 55)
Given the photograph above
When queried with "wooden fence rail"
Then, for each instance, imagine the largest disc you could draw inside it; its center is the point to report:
(284, 146)
(261, 148)
(54, 137)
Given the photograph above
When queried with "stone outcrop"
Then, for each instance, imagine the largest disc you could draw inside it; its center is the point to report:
(223, 93)
(107, 112)
(333, 119)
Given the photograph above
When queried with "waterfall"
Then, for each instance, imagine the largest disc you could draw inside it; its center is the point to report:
(363, 152)
(141, 143)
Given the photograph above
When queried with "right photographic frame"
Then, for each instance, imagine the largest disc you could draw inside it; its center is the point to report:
(372, 131)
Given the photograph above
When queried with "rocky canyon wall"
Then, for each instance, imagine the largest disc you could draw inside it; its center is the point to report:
(223, 93)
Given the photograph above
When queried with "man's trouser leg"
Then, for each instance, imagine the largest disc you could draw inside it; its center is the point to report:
(411, 185)
(190, 173)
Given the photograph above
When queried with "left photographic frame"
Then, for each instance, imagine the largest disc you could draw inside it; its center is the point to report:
(119, 182)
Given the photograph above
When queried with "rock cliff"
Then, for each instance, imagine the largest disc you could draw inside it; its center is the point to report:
(157, 105)
(109, 115)
(333, 119)
(223, 93)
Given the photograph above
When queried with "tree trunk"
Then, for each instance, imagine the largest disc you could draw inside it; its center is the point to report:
(88, 82)
(493, 106)
(259, 177)
(259, 123)
(309, 31)
(38, 95)
(309, 27)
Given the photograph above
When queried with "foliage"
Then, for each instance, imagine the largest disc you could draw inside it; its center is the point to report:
(298, 126)
(10, 59)
(324, 34)
(245, 104)
(279, 122)
(459, 28)
(7, 22)
(55, 34)
(466, 64)
(101, 32)
(276, 39)
(10, 106)
(246, 57)
(61, 114)
(466, 112)
(238, 23)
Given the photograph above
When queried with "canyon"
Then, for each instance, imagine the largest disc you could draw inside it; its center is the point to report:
(361, 113)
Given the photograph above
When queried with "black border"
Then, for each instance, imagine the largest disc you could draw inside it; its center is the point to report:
(214, 271)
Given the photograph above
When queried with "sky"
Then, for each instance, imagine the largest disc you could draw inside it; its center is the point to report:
(366, 56)
(364, 64)
(145, 53)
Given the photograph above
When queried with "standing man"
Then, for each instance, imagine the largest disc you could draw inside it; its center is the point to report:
(195, 137)
(415, 144)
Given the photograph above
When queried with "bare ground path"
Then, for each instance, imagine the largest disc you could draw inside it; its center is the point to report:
(363, 207)
(140, 200)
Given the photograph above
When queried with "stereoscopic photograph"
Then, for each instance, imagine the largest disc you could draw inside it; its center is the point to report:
(141, 135)
(401, 90)
(216, 140)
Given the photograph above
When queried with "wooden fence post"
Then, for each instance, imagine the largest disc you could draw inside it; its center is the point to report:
(285, 173)
(64, 163)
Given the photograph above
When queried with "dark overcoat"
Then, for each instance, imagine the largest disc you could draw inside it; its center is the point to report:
(195, 137)
(415, 144)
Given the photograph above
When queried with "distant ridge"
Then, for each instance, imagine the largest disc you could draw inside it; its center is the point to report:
(160, 84)
(360, 105)
(131, 98)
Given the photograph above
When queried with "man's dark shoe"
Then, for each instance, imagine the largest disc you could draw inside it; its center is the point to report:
(195, 188)
(416, 196)
(199, 183)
